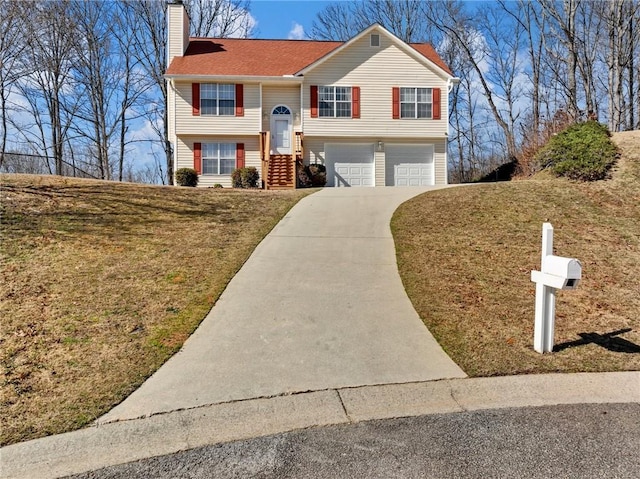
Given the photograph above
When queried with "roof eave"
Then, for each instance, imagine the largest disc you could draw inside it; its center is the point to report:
(234, 78)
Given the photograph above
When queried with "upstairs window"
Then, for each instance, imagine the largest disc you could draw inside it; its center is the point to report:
(217, 99)
(374, 40)
(416, 103)
(334, 101)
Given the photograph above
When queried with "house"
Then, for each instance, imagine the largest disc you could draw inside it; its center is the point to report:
(373, 110)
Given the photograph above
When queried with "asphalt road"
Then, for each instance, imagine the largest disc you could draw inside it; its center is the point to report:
(576, 441)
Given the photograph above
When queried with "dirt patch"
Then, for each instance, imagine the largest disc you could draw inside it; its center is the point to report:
(101, 282)
(465, 256)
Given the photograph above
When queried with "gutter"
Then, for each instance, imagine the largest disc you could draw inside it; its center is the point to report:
(237, 78)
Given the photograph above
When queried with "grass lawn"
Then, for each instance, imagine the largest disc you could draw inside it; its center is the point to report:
(101, 282)
(465, 256)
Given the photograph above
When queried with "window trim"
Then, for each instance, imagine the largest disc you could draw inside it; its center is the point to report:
(415, 103)
(233, 109)
(335, 101)
(218, 158)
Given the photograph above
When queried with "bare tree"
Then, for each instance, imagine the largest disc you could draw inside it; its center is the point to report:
(340, 21)
(149, 40)
(469, 34)
(564, 28)
(12, 67)
(219, 18)
(96, 80)
(51, 50)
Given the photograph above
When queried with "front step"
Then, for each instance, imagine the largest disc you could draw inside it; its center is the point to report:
(281, 174)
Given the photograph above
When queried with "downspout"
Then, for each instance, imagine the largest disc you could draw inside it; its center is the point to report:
(174, 134)
(302, 107)
(260, 120)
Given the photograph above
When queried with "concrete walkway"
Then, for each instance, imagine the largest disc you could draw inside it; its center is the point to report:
(319, 305)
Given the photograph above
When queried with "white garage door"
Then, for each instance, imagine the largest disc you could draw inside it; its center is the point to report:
(350, 164)
(409, 165)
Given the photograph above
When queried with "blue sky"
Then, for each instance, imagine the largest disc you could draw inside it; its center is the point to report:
(285, 19)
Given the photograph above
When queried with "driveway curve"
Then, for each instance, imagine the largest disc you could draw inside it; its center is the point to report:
(319, 305)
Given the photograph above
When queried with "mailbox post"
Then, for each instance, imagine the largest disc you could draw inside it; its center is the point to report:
(557, 273)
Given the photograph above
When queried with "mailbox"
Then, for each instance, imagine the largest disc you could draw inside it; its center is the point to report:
(557, 272)
(569, 269)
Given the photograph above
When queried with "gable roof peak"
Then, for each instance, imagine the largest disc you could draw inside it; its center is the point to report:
(249, 57)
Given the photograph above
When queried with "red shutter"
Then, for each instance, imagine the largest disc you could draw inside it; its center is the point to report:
(314, 101)
(355, 102)
(240, 155)
(239, 100)
(197, 157)
(395, 95)
(195, 98)
(436, 103)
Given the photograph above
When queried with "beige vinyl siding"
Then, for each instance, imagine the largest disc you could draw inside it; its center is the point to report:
(376, 70)
(273, 96)
(178, 24)
(188, 124)
(314, 153)
(185, 155)
(380, 167)
(440, 161)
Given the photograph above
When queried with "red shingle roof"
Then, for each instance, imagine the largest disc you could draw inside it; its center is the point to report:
(251, 57)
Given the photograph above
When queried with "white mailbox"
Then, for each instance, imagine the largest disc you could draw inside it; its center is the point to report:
(557, 272)
(567, 272)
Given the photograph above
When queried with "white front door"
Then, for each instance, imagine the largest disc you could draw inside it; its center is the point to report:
(281, 131)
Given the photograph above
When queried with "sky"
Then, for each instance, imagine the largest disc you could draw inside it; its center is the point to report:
(278, 19)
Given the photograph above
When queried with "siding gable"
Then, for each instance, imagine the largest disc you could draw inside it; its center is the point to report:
(376, 70)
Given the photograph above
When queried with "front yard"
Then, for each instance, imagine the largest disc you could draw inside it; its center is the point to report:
(465, 256)
(102, 282)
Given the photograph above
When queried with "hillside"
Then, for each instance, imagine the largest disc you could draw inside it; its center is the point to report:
(100, 282)
(465, 255)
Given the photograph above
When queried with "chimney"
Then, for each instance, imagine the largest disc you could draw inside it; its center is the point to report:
(177, 30)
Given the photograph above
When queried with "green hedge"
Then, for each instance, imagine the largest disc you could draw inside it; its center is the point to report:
(245, 177)
(583, 151)
(187, 177)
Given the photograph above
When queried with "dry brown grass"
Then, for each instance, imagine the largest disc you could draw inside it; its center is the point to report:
(101, 282)
(465, 256)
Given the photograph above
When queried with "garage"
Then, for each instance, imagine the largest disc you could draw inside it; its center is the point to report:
(350, 164)
(409, 165)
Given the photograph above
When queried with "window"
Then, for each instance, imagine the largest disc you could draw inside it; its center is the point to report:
(334, 101)
(217, 99)
(375, 40)
(416, 103)
(218, 158)
(281, 110)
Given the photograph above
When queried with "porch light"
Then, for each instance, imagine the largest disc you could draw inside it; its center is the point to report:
(380, 146)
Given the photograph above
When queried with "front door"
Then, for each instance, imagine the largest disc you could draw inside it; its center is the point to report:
(281, 130)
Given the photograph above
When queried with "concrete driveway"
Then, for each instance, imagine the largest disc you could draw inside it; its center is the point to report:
(319, 305)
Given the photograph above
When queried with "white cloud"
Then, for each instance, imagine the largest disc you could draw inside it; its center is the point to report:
(296, 32)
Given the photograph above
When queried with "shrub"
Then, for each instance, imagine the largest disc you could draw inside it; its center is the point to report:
(318, 174)
(186, 177)
(217, 185)
(245, 177)
(303, 178)
(312, 175)
(583, 151)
